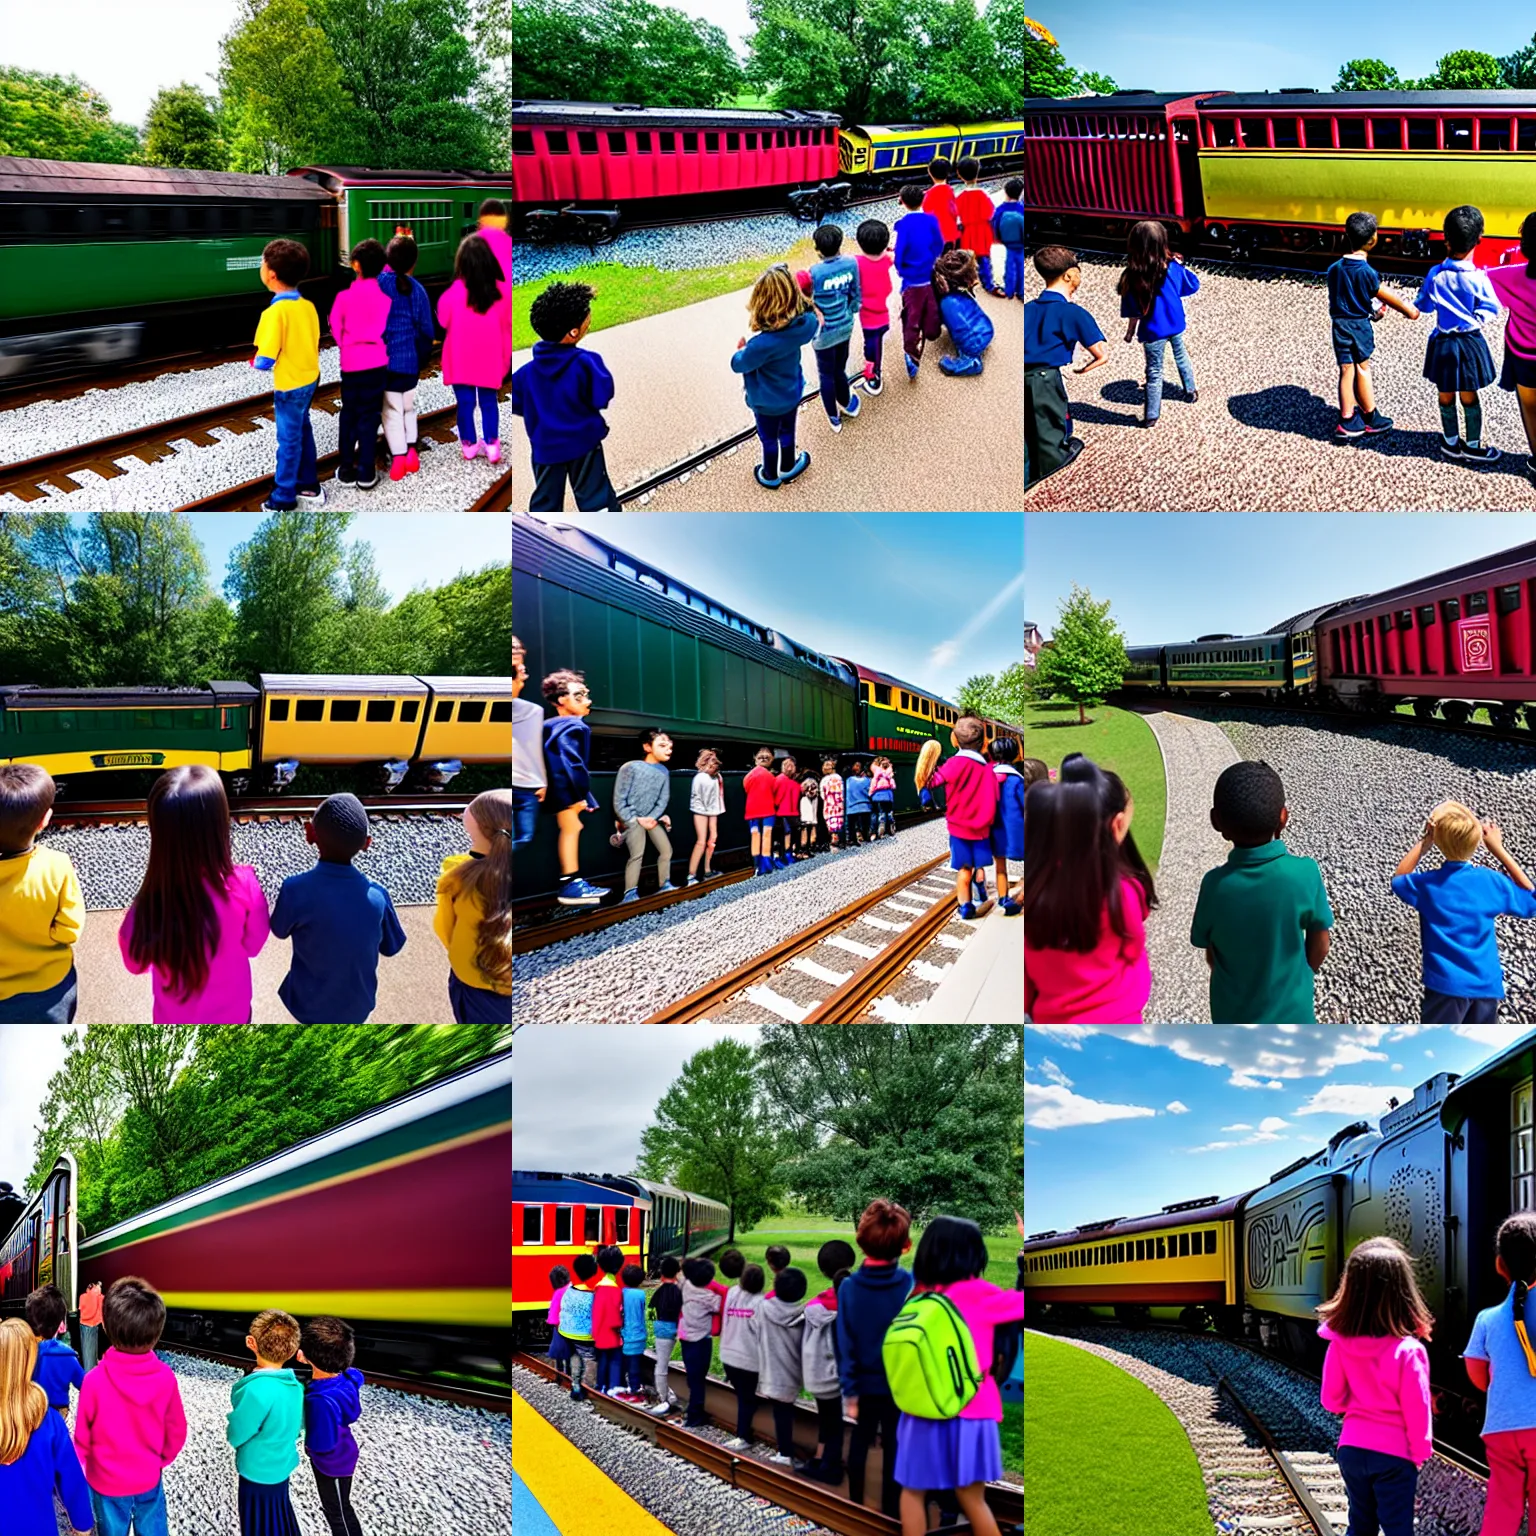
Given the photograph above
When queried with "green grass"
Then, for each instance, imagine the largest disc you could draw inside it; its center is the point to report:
(1013, 1438)
(1102, 1452)
(1113, 738)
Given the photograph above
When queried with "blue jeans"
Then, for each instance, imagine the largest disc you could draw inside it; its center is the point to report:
(696, 1358)
(477, 1005)
(610, 1369)
(490, 418)
(143, 1513)
(984, 271)
(55, 1006)
(1013, 272)
(777, 435)
(631, 1374)
(525, 815)
(1438, 1008)
(1153, 351)
(832, 370)
(1381, 1491)
(295, 446)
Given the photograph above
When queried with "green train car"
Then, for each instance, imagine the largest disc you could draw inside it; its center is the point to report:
(1270, 666)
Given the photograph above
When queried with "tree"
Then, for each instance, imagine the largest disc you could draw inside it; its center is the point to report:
(182, 130)
(59, 117)
(1085, 661)
(1367, 75)
(286, 584)
(855, 57)
(961, 80)
(997, 698)
(1464, 70)
(1518, 69)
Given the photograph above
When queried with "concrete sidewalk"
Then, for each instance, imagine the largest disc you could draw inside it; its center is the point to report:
(986, 984)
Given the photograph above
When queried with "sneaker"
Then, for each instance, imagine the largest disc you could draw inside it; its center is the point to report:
(1192, 397)
(1353, 426)
(691, 880)
(979, 889)
(852, 408)
(659, 1410)
(1149, 421)
(1010, 908)
(1376, 422)
(781, 1461)
(577, 893)
(315, 494)
(412, 460)
(799, 467)
(737, 1444)
(470, 450)
(872, 385)
(763, 480)
(835, 422)
(911, 365)
(667, 887)
(493, 452)
(1456, 450)
(966, 909)
(1480, 455)
(346, 477)
(268, 506)
(577, 1394)
(1530, 470)
(628, 897)
(369, 483)
(397, 469)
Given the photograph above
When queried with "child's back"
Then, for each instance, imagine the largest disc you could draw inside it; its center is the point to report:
(867, 1301)
(1457, 903)
(985, 1307)
(46, 1463)
(477, 346)
(265, 1420)
(58, 1369)
(359, 318)
(129, 1422)
(919, 243)
(773, 380)
(780, 1370)
(1381, 1386)
(835, 293)
(408, 330)
(560, 393)
(42, 913)
(331, 1407)
(971, 795)
(875, 289)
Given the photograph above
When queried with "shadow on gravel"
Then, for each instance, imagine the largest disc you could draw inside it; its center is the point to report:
(1119, 392)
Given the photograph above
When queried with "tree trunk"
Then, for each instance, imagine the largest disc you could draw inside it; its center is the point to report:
(1082, 719)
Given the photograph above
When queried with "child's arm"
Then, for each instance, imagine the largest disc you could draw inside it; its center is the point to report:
(257, 926)
(392, 938)
(1410, 860)
(244, 1421)
(1335, 1393)
(1098, 355)
(1493, 839)
(601, 381)
(1317, 947)
(443, 919)
(1418, 1416)
(175, 1428)
(1477, 1372)
(69, 919)
(1391, 300)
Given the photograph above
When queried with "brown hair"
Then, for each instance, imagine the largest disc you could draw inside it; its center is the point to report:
(1378, 1296)
(276, 1335)
(327, 1342)
(287, 260)
(969, 732)
(46, 1310)
(23, 1403)
(402, 255)
(883, 1229)
(1034, 771)
(26, 797)
(955, 272)
(558, 684)
(706, 757)
(133, 1314)
(1053, 261)
(488, 881)
(761, 753)
(1146, 265)
(775, 300)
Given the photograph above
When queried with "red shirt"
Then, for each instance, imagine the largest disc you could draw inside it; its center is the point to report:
(607, 1313)
(976, 209)
(759, 785)
(970, 804)
(939, 200)
(722, 1291)
(786, 795)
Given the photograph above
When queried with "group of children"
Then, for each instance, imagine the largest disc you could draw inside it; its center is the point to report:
(199, 918)
(130, 1424)
(777, 1342)
(1262, 918)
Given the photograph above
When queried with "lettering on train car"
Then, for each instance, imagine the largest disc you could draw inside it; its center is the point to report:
(1282, 1248)
(127, 759)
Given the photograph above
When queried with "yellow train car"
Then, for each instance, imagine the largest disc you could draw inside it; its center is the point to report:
(470, 719)
(888, 149)
(340, 719)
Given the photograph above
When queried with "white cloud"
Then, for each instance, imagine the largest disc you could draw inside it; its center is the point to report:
(1240, 1126)
(1397, 1066)
(1269, 1056)
(1050, 1107)
(1484, 1034)
(1175, 1108)
(1273, 1123)
(1430, 1054)
(1052, 1073)
(1067, 1037)
(947, 650)
(1358, 1099)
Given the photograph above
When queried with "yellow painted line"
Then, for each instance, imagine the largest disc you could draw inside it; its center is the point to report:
(581, 1499)
(487, 1307)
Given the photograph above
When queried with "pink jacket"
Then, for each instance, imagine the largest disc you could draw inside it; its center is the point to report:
(970, 789)
(500, 243)
(243, 929)
(358, 318)
(1517, 293)
(1108, 985)
(1381, 1386)
(129, 1423)
(478, 348)
(553, 1317)
(983, 1306)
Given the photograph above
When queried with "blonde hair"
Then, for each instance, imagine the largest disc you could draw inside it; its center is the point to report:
(22, 1402)
(276, 1334)
(489, 880)
(776, 300)
(1457, 832)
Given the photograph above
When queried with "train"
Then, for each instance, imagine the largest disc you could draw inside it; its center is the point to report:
(556, 1216)
(388, 727)
(585, 165)
(659, 651)
(1256, 175)
(391, 1220)
(1439, 1172)
(99, 263)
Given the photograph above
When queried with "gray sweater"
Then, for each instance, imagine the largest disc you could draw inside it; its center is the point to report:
(779, 1324)
(818, 1354)
(699, 1307)
(641, 789)
(739, 1331)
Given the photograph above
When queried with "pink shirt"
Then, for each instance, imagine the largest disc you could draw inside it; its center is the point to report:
(243, 928)
(358, 318)
(874, 290)
(478, 348)
(500, 243)
(1108, 985)
(1381, 1386)
(1517, 293)
(970, 795)
(129, 1423)
(983, 1306)
(553, 1318)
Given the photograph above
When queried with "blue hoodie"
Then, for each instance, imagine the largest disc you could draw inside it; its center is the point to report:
(56, 1371)
(1008, 824)
(27, 1485)
(408, 331)
(770, 361)
(919, 243)
(560, 393)
(1008, 224)
(969, 326)
(331, 1408)
(835, 292)
(867, 1301)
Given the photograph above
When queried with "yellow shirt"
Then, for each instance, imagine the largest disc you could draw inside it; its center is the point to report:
(41, 915)
(289, 330)
(457, 924)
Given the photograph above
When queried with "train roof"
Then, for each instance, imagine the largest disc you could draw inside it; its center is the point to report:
(563, 1188)
(1333, 101)
(869, 674)
(1183, 1213)
(498, 685)
(26, 696)
(1309, 616)
(1521, 554)
(366, 175)
(327, 684)
(629, 114)
(1116, 101)
(74, 178)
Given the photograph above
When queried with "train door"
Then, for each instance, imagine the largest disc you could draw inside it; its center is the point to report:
(1185, 132)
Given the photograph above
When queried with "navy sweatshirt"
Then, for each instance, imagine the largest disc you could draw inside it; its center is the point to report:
(57, 1370)
(331, 1408)
(560, 393)
(770, 363)
(867, 1301)
(919, 243)
(567, 750)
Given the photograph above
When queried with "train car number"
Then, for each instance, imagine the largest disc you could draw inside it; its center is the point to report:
(128, 759)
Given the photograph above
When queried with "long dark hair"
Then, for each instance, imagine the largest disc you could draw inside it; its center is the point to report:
(1378, 1296)
(402, 256)
(476, 267)
(175, 923)
(1517, 1247)
(1146, 263)
(1528, 245)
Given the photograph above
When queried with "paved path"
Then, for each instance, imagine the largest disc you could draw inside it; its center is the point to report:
(986, 984)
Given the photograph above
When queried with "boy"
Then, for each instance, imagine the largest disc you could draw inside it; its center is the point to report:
(266, 1417)
(1008, 826)
(939, 200)
(567, 748)
(777, 1258)
(575, 1324)
(1263, 917)
(42, 912)
(561, 393)
(867, 1302)
(919, 244)
(818, 1360)
(641, 792)
(129, 1422)
(835, 293)
(608, 1320)
(530, 783)
(975, 209)
(970, 805)
(780, 1374)
(90, 1324)
(358, 321)
(875, 264)
(58, 1367)
(332, 1405)
(288, 347)
(762, 809)
(340, 922)
(1354, 286)
(667, 1303)
(696, 1330)
(786, 806)
(632, 1333)
(1457, 903)
(1053, 328)
(1008, 226)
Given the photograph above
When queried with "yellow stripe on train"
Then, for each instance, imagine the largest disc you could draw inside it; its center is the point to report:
(485, 1307)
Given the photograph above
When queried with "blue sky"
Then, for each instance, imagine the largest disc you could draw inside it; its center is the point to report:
(932, 598)
(1172, 576)
(1123, 1122)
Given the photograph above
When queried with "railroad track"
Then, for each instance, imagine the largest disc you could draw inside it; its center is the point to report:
(279, 808)
(70, 384)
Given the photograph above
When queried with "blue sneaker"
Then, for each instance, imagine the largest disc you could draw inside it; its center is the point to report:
(577, 893)
(762, 478)
(1010, 907)
(1353, 426)
(965, 910)
(852, 408)
(667, 887)
(978, 888)
(628, 897)
(789, 857)
(799, 467)
(911, 365)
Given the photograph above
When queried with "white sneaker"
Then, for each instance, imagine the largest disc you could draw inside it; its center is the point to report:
(736, 1444)
(781, 1461)
(660, 1410)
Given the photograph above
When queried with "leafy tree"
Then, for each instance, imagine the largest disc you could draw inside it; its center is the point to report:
(1367, 75)
(999, 698)
(59, 117)
(855, 57)
(182, 130)
(1518, 69)
(286, 584)
(960, 79)
(1085, 661)
(1464, 70)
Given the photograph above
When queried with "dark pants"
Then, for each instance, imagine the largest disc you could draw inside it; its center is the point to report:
(630, 1375)
(1013, 272)
(466, 397)
(874, 346)
(744, 1385)
(696, 1357)
(877, 1414)
(784, 1427)
(55, 1006)
(858, 824)
(1437, 1008)
(920, 320)
(478, 1005)
(590, 485)
(1381, 1491)
(362, 403)
(610, 1369)
(829, 1430)
(777, 435)
(336, 1501)
(832, 370)
(1045, 421)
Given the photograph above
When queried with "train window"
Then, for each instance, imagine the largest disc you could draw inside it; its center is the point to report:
(751, 142)
(1458, 133)
(690, 143)
(1477, 602)
(1284, 129)
(1525, 135)
(906, 700)
(557, 141)
(616, 145)
(882, 693)
(501, 712)
(533, 1225)
(621, 1225)
(471, 711)
(1162, 1250)
(778, 138)
(1451, 608)
(562, 1226)
(1351, 133)
(233, 220)
(667, 143)
(925, 706)
(1520, 1149)
(1507, 599)
(443, 710)
(196, 219)
(65, 221)
(380, 710)
(642, 143)
(1405, 619)
(309, 709)
(1183, 1245)
(1384, 622)
(263, 217)
(165, 720)
(116, 221)
(1493, 133)
(732, 143)
(1426, 616)
(1210, 1241)
(409, 709)
(1421, 133)
(586, 142)
(592, 1225)
(1319, 132)
(711, 143)
(1387, 132)
(346, 710)
(522, 141)
(1223, 133)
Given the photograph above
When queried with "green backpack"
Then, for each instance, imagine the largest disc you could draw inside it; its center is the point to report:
(930, 1358)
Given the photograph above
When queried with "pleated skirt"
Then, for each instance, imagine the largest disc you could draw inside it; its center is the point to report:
(266, 1510)
(1458, 360)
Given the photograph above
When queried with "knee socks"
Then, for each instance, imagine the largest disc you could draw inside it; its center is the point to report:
(1474, 415)
(1448, 425)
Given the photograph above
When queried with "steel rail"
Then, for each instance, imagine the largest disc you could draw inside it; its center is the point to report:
(847, 1004)
(1302, 1494)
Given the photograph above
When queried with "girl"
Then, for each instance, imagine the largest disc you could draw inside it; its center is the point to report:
(739, 1349)
(37, 1457)
(474, 913)
(358, 319)
(965, 1452)
(707, 802)
(810, 790)
(1516, 287)
(1376, 1373)
(1008, 828)
(773, 379)
(882, 792)
(1152, 290)
(1087, 893)
(696, 1334)
(786, 793)
(477, 350)
(559, 1348)
(832, 799)
(859, 803)
(408, 338)
(970, 328)
(199, 917)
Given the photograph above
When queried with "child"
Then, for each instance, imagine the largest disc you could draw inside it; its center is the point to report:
(939, 200)
(642, 790)
(58, 1367)
(561, 393)
(780, 1374)
(1515, 287)
(1152, 290)
(832, 799)
(1008, 827)
(1457, 904)
(608, 1319)
(1034, 772)
(1008, 227)
(408, 343)
(707, 802)
(288, 347)
(1263, 917)
(340, 922)
(859, 804)
(919, 243)
(474, 913)
(1354, 286)
(970, 328)
(199, 918)
(358, 321)
(90, 1324)
(492, 223)
(875, 266)
(777, 1257)
(773, 380)
(740, 1345)
(882, 794)
(332, 1405)
(963, 1453)
(1457, 360)
(1087, 895)
(475, 312)
(559, 1347)
(696, 1334)
(530, 780)
(667, 1303)
(632, 1333)
(1376, 1373)
(975, 208)
(567, 748)
(969, 808)
(42, 912)
(867, 1301)
(819, 1363)
(836, 295)
(36, 1458)
(1053, 329)
(762, 807)
(129, 1422)
(810, 790)
(786, 804)
(266, 1417)
(575, 1324)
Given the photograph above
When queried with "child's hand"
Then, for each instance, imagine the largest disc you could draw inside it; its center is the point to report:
(539, 794)
(1493, 837)
(740, 344)
(1130, 331)
(1174, 256)
(647, 822)
(1414, 312)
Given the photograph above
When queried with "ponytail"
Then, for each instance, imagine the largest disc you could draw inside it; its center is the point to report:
(1518, 1300)
(402, 255)
(1516, 1243)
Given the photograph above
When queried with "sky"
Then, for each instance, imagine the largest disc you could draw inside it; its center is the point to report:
(931, 598)
(1121, 1122)
(1172, 576)
(582, 1094)
(29, 1055)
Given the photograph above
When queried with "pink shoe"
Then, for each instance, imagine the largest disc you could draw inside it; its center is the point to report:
(493, 452)
(397, 467)
(470, 450)
(412, 462)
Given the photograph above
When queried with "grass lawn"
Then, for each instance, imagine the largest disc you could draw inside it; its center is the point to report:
(1102, 1451)
(1113, 738)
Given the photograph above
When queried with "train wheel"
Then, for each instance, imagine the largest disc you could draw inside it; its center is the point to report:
(1505, 716)
(1196, 1319)
(1132, 1315)
(1424, 709)
(1456, 711)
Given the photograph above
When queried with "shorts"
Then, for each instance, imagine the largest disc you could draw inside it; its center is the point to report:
(1353, 340)
(761, 823)
(1000, 848)
(966, 853)
(1518, 370)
